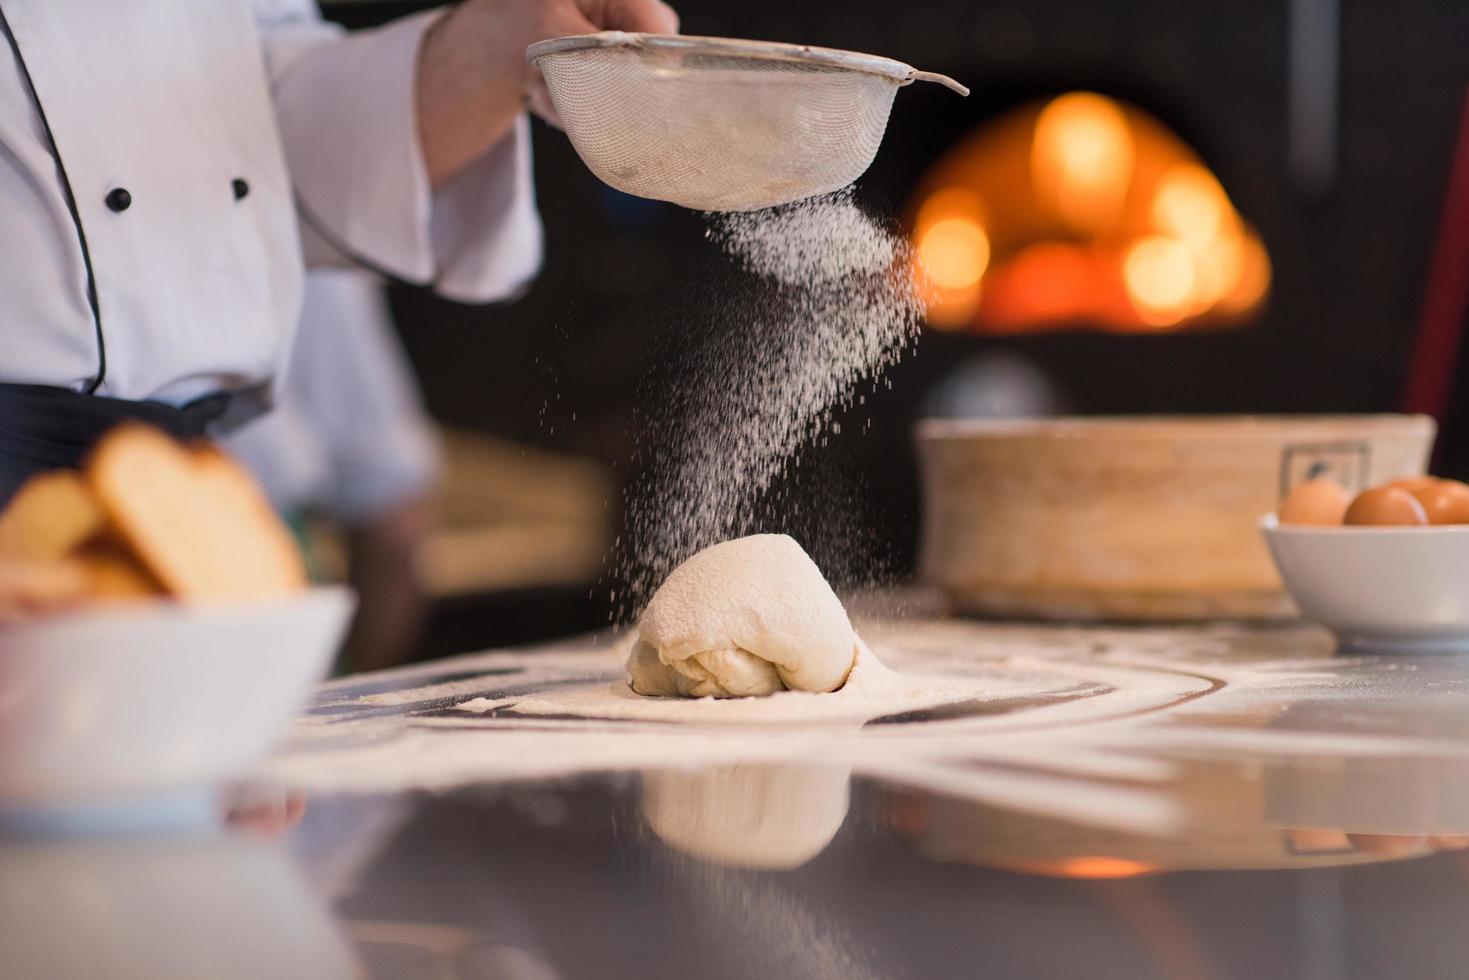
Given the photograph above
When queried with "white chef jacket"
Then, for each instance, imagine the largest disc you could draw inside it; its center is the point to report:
(348, 436)
(213, 115)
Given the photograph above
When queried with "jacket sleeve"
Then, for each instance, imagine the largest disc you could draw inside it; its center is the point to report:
(345, 107)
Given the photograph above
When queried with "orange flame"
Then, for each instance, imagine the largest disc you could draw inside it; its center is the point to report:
(1082, 159)
(1082, 210)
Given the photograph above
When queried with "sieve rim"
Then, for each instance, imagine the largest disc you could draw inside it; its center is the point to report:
(870, 64)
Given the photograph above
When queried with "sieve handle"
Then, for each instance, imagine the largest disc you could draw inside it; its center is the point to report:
(944, 80)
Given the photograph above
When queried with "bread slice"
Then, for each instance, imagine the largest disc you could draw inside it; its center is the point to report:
(50, 516)
(114, 573)
(33, 587)
(194, 517)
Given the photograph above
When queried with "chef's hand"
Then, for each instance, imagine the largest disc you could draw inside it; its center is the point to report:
(590, 16)
(473, 79)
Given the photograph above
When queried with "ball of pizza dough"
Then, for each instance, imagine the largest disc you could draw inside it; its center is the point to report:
(743, 618)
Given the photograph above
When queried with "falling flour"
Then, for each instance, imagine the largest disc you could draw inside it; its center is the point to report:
(836, 306)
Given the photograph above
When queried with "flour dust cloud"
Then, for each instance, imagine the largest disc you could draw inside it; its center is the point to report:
(823, 303)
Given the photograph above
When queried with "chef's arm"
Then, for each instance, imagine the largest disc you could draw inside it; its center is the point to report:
(473, 79)
(408, 147)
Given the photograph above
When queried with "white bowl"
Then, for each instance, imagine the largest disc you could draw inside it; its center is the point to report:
(148, 702)
(1384, 588)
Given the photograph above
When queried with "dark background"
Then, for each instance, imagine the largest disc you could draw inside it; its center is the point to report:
(622, 276)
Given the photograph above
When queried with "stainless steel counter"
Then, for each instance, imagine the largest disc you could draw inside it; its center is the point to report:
(1209, 802)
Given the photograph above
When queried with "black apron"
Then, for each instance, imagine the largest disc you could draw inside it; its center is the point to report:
(43, 428)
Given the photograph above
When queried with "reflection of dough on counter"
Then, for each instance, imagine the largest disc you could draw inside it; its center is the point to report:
(745, 617)
(768, 816)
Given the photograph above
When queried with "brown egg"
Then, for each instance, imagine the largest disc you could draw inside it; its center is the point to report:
(1445, 502)
(1412, 484)
(1318, 501)
(1386, 505)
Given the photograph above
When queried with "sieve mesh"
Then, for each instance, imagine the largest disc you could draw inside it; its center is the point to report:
(702, 123)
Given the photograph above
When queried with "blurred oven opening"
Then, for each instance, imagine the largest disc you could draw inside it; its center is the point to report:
(1081, 211)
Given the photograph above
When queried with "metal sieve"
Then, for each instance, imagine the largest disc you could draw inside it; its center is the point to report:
(718, 124)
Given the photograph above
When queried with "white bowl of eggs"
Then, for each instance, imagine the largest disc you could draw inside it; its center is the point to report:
(1386, 570)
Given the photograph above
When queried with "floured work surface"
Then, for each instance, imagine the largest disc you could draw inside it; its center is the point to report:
(1073, 723)
(1019, 801)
